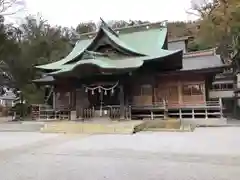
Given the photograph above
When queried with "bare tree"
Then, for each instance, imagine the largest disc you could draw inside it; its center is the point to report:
(202, 8)
(86, 27)
(10, 7)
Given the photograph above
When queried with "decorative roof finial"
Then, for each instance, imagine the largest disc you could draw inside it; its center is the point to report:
(103, 22)
(164, 23)
(105, 25)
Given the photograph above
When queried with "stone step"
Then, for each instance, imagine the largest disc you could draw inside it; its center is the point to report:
(12, 127)
(89, 128)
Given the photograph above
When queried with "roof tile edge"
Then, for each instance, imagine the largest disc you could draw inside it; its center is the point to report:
(206, 52)
(183, 38)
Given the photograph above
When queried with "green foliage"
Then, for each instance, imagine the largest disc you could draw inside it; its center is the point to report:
(32, 94)
(220, 24)
(198, 46)
(34, 42)
(21, 109)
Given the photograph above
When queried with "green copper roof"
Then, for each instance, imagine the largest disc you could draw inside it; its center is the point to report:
(101, 63)
(147, 41)
(108, 63)
(77, 50)
(121, 43)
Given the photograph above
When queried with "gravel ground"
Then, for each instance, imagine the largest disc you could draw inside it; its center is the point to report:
(207, 153)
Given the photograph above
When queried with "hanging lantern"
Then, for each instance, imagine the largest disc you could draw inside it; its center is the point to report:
(105, 92)
(112, 91)
(99, 90)
(93, 92)
(86, 90)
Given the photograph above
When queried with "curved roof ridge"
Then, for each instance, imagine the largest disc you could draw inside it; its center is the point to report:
(128, 29)
(104, 24)
(135, 45)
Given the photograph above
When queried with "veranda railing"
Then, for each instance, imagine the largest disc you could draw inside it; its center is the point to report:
(152, 111)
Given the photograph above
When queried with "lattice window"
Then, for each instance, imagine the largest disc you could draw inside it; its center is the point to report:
(226, 86)
(193, 89)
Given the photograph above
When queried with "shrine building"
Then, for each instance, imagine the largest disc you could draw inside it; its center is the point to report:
(134, 73)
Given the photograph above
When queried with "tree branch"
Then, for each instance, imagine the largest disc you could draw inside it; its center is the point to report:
(10, 7)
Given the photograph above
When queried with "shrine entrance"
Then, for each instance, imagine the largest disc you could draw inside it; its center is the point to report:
(104, 99)
(99, 98)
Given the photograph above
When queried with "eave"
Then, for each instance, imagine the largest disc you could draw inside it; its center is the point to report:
(217, 69)
(106, 64)
(44, 80)
(195, 71)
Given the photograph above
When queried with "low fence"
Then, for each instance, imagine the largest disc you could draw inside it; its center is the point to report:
(45, 113)
(209, 109)
(112, 112)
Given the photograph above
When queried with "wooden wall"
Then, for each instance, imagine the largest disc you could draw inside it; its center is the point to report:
(177, 90)
(181, 89)
(142, 91)
(184, 89)
(64, 96)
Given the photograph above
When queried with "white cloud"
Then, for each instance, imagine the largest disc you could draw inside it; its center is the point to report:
(71, 12)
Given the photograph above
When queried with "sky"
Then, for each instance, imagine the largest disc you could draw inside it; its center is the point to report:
(71, 12)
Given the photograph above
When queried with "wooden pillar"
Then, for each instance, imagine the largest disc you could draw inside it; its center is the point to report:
(165, 113)
(207, 86)
(54, 99)
(206, 113)
(154, 86)
(235, 105)
(221, 107)
(236, 95)
(180, 99)
(205, 92)
(121, 99)
(180, 113)
(193, 113)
